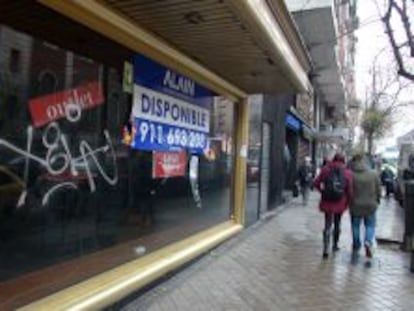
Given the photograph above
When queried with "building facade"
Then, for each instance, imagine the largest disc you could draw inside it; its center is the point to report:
(124, 138)
(328, 29)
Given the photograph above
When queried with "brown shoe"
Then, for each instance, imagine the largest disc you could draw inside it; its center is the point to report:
(368, 250)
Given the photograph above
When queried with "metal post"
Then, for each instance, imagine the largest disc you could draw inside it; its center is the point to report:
(409, 220)
(412, 261)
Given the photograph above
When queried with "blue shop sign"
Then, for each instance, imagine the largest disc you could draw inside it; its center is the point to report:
(171, 112)
(155, 76)
(292, 122)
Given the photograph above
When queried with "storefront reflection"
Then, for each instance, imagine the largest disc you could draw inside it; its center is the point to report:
(75, 198)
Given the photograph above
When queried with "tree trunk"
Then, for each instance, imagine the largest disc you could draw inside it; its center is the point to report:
(370, 141)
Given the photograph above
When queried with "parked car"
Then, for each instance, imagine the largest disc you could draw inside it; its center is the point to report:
(405, 151)
(398, 196)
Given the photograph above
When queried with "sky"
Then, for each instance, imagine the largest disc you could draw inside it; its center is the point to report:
(371, 40)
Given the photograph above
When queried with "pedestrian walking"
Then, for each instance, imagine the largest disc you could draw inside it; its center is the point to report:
(335, 185)
(325, 161)
(305, 178)
(387, 180)
(365, 199)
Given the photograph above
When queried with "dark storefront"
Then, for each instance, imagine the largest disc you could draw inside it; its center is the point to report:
(275, 107)
(292, 150)
(274, 158)
(124, 139)
(278, 142)
(299, 144)
(272, 153)
(76, 198)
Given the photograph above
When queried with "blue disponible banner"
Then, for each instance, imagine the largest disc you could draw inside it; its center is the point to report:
(171, 112)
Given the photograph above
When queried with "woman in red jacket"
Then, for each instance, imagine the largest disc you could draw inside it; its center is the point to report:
(335, 185)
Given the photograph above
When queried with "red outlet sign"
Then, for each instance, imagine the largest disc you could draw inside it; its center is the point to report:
(168, 164)
(65, 104)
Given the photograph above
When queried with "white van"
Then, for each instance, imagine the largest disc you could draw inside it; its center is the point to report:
(405, 150)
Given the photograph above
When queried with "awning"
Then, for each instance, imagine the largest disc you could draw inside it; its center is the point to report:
(239, 40)
(296, 122)
(293, 122)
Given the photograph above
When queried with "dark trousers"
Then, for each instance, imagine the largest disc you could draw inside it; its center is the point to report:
(330, 219)
(334, 219)
(388, 188)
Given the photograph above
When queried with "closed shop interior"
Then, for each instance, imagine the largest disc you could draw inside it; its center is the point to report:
(87, 184)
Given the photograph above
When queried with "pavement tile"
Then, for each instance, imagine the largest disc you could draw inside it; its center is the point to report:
(277, 265)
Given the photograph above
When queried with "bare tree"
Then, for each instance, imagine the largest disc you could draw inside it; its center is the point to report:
(382, 101)
(400, 12)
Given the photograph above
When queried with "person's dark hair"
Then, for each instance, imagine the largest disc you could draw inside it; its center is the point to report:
(339, 157)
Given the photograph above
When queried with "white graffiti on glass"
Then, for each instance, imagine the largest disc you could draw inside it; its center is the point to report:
(59, 158)
(48, 194)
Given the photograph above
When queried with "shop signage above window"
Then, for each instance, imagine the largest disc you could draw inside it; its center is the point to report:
(292, 122)
(171, 112)
(65, 104)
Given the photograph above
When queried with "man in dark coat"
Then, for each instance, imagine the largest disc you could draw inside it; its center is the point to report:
(387, 179)
(365, 199)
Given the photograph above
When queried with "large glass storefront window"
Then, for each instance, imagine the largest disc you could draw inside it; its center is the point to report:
(76, 198)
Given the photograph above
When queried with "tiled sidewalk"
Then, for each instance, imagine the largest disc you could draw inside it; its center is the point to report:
(277, 265)
(391, 221)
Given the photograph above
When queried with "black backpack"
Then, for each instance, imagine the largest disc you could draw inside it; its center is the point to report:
(334, 185)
